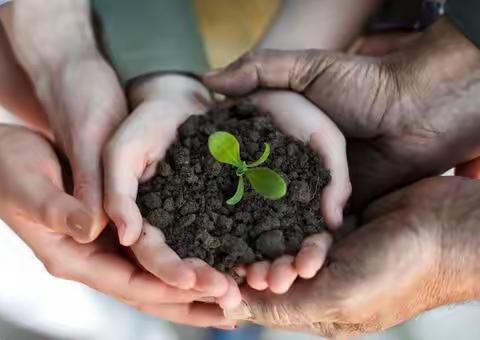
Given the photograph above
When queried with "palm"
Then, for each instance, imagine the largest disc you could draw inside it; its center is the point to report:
(394, 267)
(406, 116)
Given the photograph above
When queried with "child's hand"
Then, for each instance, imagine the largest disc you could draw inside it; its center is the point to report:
(161, 105)
(297, 117)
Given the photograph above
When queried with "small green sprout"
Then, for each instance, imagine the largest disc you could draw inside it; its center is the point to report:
(225, 148)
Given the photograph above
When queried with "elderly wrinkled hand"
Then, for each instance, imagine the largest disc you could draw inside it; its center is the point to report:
(406, 115)
(416, 249)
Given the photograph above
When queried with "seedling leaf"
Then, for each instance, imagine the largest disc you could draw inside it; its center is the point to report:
(225, 148)
(238, 193)
(267, 182)
(263, 158)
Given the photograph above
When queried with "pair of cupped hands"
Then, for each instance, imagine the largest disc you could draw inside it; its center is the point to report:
(379, 124)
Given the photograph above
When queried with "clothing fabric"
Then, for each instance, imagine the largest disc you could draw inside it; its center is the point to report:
(465, 14)
(144, 37)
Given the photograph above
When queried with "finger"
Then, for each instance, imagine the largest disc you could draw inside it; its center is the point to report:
(232, 297)
(312, 255)
(299, 118)
(307, 302)
(130, 157)
(32, 185)
(156, 257)
(241, 271)
(113, 275)
(208, 281)
(44, 203)
(149, 172)
(194, 314)
(261, 69)
(257, 275)
(121, 185)
(87, 182)
(282, 274)
(330, 145)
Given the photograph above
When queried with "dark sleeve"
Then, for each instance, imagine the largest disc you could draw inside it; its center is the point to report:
(142, 37)
(465, 14)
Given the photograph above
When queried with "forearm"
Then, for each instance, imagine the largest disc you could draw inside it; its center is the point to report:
(47, 35)
(321, 24)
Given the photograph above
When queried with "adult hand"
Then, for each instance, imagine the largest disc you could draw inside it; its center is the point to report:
(78, 89)
(417, 249)
(407, 115)
(34, 200)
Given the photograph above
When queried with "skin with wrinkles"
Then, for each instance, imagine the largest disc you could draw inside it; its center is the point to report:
(407, 115)
(366, 286)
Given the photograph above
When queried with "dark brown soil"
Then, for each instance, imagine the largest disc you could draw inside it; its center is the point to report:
(186, 199)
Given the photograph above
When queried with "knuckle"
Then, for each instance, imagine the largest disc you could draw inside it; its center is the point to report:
(306, 67)
(250, 56)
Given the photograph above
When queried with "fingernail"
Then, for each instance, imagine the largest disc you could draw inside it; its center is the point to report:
(121, 227)
(213, 72)
(79, 225)
(241, 312)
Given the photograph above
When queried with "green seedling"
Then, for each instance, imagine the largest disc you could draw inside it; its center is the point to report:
(225, 148)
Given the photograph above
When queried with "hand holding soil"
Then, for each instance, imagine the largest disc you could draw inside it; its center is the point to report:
(399, 127)
(162, 104)
(187, 200)
(370, 273)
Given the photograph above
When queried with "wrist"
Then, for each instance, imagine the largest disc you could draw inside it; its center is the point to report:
(172, 87)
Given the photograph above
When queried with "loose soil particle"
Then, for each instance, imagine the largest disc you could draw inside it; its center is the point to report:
(186, 198)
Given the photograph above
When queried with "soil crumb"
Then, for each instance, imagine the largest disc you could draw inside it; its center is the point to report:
(186, 198)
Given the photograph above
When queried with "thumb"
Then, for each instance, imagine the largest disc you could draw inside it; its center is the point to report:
(275, 69)
(87, 184)
(307, 302)
(42, 201)
(259, 69)
(354, 91)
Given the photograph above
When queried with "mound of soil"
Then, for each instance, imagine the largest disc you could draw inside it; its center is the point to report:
(186, 199)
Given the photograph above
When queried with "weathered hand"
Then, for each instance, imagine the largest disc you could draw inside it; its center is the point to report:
(406, 116)
(34, 200)
(78, 89)
(417, 249)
